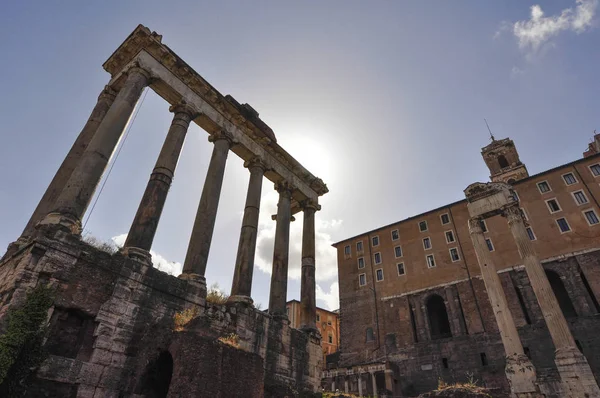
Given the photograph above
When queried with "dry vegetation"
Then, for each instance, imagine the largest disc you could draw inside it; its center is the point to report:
(215, 295)
(181, 319)
(231, 339)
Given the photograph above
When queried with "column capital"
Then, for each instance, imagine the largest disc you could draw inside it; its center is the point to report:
(255, 162)
(512, 213)
(222, 135)
(137, 68)
(475, 225)
(309, 204)
(108, 94)
(284, 187)
(184, 107)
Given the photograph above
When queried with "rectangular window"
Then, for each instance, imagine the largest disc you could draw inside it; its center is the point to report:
(330, 338)
(318, 318)
(445, 219)
(553, 205)
(347, 250)
(530, 233)
(375, 240)
(569, 178)
(426, 243)
(454, 255)
(591, 217)
(395, 235)
(379, 274)
(401, 270)
(563, 225)
(489, 244)
(398, 251)
(579, 197)
(423, 226)
(543, 187)
(359, 246)
(362, 279)
(430, 261)
(483, 225)
(449, 236)
(361, 262)
(595, 169)
(377, 258)
(515, 195)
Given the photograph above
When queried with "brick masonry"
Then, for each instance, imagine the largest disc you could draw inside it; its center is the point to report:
(111, 331)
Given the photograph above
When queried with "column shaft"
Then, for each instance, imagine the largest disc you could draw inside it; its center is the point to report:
(241, 287)
(374, 382)
(359, 385)
(493, 286)
(148, 214)
(204, 225)
(308, 304)
(278, 294)
(555, 320)
(75, 197)
(58, 183)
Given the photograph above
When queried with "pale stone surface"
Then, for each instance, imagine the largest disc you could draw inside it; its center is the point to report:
(308, 304)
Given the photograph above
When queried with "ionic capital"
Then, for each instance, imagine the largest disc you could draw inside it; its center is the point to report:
(222, 135)
(184, 107)
(310, 205)
(284, 187)
(108, 94)
(513, 214)
(255, 162)
(137, 68)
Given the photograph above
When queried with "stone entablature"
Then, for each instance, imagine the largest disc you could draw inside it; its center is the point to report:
(174, 79)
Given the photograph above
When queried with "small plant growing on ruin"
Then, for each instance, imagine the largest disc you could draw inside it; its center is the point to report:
(182, 318)
(107, 247)
(231, 339)
(21, 350)
(215, 295)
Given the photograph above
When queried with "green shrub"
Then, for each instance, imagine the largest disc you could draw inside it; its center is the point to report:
(21, 349)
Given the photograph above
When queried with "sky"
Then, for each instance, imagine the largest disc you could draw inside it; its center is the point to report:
(384, 100)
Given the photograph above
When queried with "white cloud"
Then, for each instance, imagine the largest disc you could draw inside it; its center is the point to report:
(516, 72)
(158, 261)
(326, 256)
(331, 299)
(539, 29)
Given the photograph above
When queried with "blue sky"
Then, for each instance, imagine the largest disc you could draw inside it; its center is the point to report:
(384, 100)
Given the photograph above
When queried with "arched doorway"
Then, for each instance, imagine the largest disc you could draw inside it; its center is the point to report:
(502, 161)
(564, 301)
(438, 318)
(157, 377)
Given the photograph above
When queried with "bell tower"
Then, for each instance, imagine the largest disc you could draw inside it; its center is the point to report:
(502, 158)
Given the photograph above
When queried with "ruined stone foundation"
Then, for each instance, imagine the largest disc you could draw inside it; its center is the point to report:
(119, 328)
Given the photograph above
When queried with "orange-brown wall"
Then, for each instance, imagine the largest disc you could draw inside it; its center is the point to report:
(327, 322)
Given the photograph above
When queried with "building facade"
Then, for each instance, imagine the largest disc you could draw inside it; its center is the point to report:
(327, 324)
(414, 307)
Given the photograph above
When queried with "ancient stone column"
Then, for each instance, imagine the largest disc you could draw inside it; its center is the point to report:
(142, 231)
(278, 294)
(346, 384)
(46, 204)
(308, 303)
(194, 265)
(571, 364)
(519, 370)
(359, 385)
(241, 287)
(74, 199)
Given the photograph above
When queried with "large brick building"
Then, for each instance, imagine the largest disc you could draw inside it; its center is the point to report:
(413, 305)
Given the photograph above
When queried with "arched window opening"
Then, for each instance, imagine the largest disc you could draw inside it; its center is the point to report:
(511, 181)
(157, 378)
(502, 161)
(370, 335)
(561, 294)
(438, 318)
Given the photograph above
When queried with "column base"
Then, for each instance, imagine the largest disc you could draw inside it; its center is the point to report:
(576, 374)
(135, 253)
(64, 222)
(310, 330)
(196, 278)
(283, 318)
(237, 299)
(521, 376)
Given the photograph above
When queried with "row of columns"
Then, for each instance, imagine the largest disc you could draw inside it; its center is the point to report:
(578, 379)
(69, 194)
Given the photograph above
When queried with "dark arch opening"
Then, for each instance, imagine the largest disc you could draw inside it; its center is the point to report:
(564, 301)
(438, 318)
(157, 378)
(511, 181)
(502, 161)
(590, 292)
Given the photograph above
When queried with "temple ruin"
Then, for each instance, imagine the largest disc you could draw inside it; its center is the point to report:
(111, 327)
